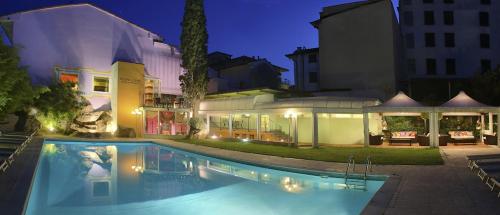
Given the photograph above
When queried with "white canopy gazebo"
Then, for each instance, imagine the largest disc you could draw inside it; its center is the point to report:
(399, 105)
(463, 105)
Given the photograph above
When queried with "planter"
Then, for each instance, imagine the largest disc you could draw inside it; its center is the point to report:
(423, 140)
(490, 139)
(444, 139)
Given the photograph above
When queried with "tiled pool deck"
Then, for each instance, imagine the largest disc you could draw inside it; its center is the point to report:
(442, 189)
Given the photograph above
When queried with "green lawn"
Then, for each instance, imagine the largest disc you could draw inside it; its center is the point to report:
(406, 156)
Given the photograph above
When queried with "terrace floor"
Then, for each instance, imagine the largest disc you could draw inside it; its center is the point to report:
(439, 189)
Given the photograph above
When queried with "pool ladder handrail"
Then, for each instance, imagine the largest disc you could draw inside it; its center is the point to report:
(350, 162)
(368, 166)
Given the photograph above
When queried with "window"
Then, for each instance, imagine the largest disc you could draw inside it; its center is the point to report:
(450, 66)
(429, 17)
(410, 41)
(69, 78)
(431, 66)
(428, 1)
(408, 18)
(485, 1)
(101, 84)
(430, 40)
(313, 77)
(313, 58)
(448, 1)
(449, 40)
(412, 66)
(485, 65)
(484, 19)
(448, 18)
(484, 40)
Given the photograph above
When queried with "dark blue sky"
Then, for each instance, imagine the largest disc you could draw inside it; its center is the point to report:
(265, 28)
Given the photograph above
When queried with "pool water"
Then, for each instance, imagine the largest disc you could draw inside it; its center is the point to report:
(146, 178)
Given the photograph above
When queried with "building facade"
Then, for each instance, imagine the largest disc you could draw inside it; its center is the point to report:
(446, 42)
(306, 69)
(117, 65)
(241, 73)
(359, 49)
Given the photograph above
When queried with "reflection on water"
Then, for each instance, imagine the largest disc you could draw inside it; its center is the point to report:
(88, 175)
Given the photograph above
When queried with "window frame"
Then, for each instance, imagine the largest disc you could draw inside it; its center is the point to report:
(484, 19)
(449, 43)
(69, 72)
(428, 44)
(427, 66)
(450, 21)
(484, 41)
(309, 77)
(449, 62)
(429, 17)
(315, 58)
(101, 76)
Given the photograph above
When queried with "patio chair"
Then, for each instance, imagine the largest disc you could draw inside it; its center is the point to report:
(376, 139)
(490, 139)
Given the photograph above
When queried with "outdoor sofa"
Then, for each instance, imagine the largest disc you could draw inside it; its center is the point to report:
(402, 137)
(462, 137)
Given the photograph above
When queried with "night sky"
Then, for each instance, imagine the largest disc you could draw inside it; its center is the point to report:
(265, 28)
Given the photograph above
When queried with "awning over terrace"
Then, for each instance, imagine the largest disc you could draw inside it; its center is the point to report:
(399, 105)
(464, 103)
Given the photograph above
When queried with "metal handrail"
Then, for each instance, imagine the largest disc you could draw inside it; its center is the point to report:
(368, 167)
(349, 163)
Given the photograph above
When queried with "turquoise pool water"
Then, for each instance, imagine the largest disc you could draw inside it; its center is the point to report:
(145, 178)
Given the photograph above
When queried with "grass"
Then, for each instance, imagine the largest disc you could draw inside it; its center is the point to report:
(392, 156)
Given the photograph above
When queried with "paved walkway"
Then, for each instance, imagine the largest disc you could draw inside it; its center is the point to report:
(441, 189)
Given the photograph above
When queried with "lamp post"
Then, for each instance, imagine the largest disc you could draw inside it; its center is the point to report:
(137, 112)
(290, 115)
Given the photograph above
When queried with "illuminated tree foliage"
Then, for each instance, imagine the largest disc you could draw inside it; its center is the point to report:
(58, 106)
(194, 39)
(16, 92)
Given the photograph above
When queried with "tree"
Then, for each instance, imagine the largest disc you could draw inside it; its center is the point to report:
(485, 87)
(194, 39)
(16, 92)
(58, 106)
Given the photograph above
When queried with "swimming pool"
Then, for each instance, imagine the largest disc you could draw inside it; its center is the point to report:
(146, 178)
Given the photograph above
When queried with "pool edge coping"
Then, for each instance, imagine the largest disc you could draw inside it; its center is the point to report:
(378, 203)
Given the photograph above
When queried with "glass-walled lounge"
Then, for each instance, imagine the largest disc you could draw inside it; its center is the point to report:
(165, 122)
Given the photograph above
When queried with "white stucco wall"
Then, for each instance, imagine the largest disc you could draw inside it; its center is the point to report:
(84, 37)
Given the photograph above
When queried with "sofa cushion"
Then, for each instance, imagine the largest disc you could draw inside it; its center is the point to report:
(403, 134)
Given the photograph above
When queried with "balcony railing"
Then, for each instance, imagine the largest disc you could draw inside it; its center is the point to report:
(166, 101)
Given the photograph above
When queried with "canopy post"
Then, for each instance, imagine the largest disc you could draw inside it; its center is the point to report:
(257, 127)
(490, 122)
(431, 129)
(482, 128)
(366, 129)
(208, 124)
(315, 130)
(436, 127)
(498, 129)
(295, 131)
(230, 125)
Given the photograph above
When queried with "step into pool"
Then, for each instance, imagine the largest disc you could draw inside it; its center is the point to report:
(147, 178)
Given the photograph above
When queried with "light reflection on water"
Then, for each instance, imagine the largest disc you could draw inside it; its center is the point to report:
(84, 178)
